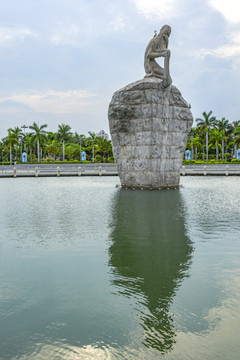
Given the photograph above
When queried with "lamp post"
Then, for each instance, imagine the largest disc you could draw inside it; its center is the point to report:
(21, 141)
(23, 127)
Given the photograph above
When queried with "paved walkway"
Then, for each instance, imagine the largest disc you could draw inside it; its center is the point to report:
(38, 170)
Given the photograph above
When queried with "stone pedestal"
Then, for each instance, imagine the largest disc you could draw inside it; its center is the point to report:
(149, 127)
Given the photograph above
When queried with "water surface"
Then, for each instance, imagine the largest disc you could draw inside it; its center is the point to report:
(91, 271)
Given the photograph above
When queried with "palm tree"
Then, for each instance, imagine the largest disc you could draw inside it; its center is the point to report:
(235, 126)
(63, 134)
(206, 123)
(224, 126)
(217, 137)
(29, 143)
(10, 140)
(108, 148)
(101, 142)
(39, 134)
(224, 140)
(201, 136)
(15, 135)
(54, 148)
(91, 140)
(236, 138)
(17, 132)
(104, 146)
(196, 144)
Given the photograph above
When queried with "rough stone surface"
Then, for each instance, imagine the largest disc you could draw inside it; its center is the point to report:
(149, 127)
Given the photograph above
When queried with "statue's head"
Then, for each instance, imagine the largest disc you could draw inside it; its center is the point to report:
(165, 30)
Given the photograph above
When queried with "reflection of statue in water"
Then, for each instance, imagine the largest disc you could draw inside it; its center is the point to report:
(149, 256)
(158, 47)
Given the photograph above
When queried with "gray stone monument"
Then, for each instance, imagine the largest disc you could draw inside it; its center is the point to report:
(149, 123)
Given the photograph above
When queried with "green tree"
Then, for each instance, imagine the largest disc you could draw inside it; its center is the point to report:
(108, 148)
(53, 148)
(17, 134)
(101, 144)
(39, 135)
(206, 123)
(191, 139)
(236, 139)
(72, 150)
(196, 145)
(63, 134)
(201, 135)
(224, 127)
(216, 136)
(190, 142)
(13, 138)
(235, 126)
(91, 141)
(29, 144)
(10, 140)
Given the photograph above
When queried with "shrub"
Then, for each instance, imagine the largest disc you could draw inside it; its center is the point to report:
(97, 158)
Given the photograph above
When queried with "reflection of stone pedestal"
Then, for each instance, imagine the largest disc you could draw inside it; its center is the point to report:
(149, 256)
(149, 126)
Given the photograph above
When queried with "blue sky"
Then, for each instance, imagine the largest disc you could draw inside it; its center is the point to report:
(61, 60)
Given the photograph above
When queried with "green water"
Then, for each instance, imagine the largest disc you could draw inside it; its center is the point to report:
(91, 271)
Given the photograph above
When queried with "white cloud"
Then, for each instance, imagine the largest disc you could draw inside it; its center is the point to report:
(118, 23)
(55, 102)
(10, 34)
(224, 52)
(229, 50)
(229, 9)
(67, 35)
(89, 28)
(156, 8)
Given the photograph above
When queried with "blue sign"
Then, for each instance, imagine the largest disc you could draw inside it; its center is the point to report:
(188, 155)
(24, 157)
(83, 156)
(238, 154)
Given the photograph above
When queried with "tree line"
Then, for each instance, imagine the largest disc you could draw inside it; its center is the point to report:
(63, 145)
(210, 140)
(213, 139)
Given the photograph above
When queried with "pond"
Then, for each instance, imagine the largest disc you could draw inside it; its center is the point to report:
(92, 271)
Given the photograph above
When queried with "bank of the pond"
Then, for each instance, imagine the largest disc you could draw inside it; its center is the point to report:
(110, 169)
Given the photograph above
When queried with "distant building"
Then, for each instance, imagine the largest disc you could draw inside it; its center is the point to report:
(103, 134)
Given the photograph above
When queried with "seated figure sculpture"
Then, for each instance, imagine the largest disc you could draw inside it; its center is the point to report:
(158, 47)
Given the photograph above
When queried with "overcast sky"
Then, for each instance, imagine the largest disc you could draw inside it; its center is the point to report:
(61, 60)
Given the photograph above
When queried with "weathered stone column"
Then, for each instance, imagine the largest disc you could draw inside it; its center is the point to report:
(149, 127)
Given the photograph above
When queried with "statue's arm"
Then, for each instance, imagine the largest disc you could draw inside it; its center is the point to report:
(156, 54)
